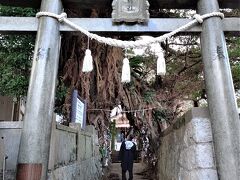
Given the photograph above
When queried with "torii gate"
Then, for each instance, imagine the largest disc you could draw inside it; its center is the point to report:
(35, 140)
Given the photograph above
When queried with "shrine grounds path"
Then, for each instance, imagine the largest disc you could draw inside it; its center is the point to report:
(115, 173)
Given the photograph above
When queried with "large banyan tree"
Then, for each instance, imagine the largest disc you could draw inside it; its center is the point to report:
(102, 88)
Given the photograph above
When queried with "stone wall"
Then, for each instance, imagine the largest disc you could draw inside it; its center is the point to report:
(88, 169)
(186, 151)
(74, 153)
(78, 158)
(63, 146)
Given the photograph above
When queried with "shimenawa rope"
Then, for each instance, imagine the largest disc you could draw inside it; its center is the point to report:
(130, 44)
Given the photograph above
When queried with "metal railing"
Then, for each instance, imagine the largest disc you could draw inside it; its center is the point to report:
(4, 166)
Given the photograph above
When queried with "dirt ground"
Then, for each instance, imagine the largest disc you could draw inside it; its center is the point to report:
(114, 172)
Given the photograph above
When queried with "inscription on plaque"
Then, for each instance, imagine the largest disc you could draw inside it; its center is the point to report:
(130, 11)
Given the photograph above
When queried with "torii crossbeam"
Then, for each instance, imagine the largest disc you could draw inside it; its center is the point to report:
(105, 25)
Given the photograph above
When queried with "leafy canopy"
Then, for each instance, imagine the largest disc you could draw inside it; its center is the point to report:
(15, 56)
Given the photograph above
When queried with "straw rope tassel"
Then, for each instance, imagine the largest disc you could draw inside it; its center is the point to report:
(87, 62)
(161, 64)
(126, 71)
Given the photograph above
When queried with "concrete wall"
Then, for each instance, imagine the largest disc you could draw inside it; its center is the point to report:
(73, 152)
(10, 134)
(186, 151)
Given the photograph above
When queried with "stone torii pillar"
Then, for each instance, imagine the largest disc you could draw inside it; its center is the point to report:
(35, 140)
(220, 93)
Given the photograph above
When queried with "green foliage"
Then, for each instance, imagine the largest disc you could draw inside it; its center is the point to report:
(236, 75)
(234, 56)
(238, 102)
(196, 94)
(149, 96)
(113, 132)
(15, 56)
(16, 11)
(15, 63)
(136, 64)
(61, 93)
(234, 47)
(161, 115)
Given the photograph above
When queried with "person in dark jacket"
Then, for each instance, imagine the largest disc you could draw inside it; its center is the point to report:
(127, 154)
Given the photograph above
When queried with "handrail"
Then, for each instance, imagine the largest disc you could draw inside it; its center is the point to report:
(4, 165)
(4, 160)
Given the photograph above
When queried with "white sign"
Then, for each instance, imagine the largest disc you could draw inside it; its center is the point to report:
(79, 112)
(78, 109)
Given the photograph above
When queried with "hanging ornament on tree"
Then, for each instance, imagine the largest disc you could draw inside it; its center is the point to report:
(161, 64)
(126, 78)
(88, 60)
(126, 74)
